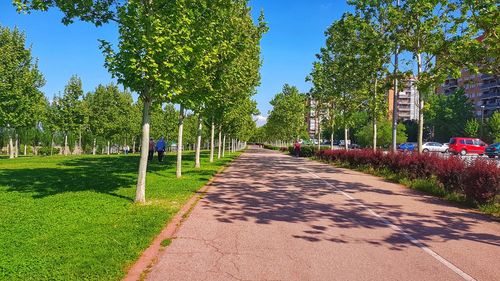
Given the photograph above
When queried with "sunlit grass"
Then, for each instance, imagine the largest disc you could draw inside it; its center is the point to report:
(73, 218)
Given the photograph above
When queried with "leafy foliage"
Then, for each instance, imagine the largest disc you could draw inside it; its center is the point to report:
(286, 120)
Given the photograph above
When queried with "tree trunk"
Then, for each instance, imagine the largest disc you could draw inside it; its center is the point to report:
(395, 99)
(197, 162)
(66, 148)
(331, 141)
(319, 134)
(109, 148)
(420, 106)
(93, 147)
(420, 123)
(52, 145)
(24, 150)
(11, 147)
(178, 172)
(346, 145)
(212, 145)
(80, 150)
(375, 116)
(133, 147)
(224, 146)
(220, 142)
(16, 150)
(140, 193)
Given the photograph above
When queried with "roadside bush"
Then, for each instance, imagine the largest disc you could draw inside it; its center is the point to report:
(451, 173)
(479, 181)
(482, 181)
(306, 150)
(271, 147)
(45, 151)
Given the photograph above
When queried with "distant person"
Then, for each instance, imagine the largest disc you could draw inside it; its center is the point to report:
(126, 149)
(296, 148)
(151, 153)
(160, 147)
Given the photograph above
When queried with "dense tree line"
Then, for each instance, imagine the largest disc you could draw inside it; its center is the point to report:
(194, 65)
(382, 44)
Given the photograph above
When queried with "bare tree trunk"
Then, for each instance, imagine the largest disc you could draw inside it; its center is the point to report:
(212, 145)
(140, 193)
(319, 134)
(219, 144)
(420, 107)
(11, 147)
(66, 148)
(197, 162)
(346, 145)
(16, 150)
(331, 140)
(133, 147)
(396, 96)
(224, 146)
(93, 147)
(420, 123)
(52, 145)
(80, 150)
(178, 172)
(375, 116)
(24, 150)
(109, 148)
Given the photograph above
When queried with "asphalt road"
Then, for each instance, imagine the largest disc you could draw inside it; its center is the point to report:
(273, 217)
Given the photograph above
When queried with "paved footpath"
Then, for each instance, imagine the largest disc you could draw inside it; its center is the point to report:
(274, 217)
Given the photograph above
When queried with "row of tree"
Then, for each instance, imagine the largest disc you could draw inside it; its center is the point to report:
(389, 42)
(203, 55)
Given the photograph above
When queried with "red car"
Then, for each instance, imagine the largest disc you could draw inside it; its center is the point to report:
(465, 146)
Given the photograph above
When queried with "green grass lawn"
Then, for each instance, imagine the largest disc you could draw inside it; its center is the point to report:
(73, 218)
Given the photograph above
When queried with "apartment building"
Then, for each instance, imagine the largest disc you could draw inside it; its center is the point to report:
(483, 91)
(407, 101)
(311, 120)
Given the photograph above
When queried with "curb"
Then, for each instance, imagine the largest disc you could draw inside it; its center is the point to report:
(148, 258)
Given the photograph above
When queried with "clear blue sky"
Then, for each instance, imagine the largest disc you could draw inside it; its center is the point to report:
(296, 34)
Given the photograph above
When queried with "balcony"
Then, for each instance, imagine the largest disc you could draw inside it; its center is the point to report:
(492, 106)
(450, 82)
(486, 76)
(490, 95)
(486, 86)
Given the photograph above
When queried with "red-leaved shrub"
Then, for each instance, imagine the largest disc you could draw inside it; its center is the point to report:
(451, 173)
(482, 181)
(479, 181)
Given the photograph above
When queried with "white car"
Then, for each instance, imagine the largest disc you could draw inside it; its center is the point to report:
(434, 147)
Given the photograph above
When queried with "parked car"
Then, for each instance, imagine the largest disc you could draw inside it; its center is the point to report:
(493, 150)
(464, 146)
(407, 146)
(435, 147)
(354, 146)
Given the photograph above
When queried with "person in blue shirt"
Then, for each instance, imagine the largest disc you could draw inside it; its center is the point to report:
(160, 147)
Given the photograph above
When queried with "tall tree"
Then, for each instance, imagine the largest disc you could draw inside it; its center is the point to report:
(69, 109)
(447, 115)
(110, 110)
(287, 118)
(20, 83)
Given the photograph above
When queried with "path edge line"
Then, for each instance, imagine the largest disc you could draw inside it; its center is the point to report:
(149, 256)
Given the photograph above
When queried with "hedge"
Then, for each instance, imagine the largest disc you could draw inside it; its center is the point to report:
(478, 181)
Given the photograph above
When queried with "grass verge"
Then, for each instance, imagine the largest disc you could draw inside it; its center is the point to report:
(73, 218)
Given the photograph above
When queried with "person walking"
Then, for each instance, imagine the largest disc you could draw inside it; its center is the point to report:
(151, 149)
(160, 147)
(296, 148)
